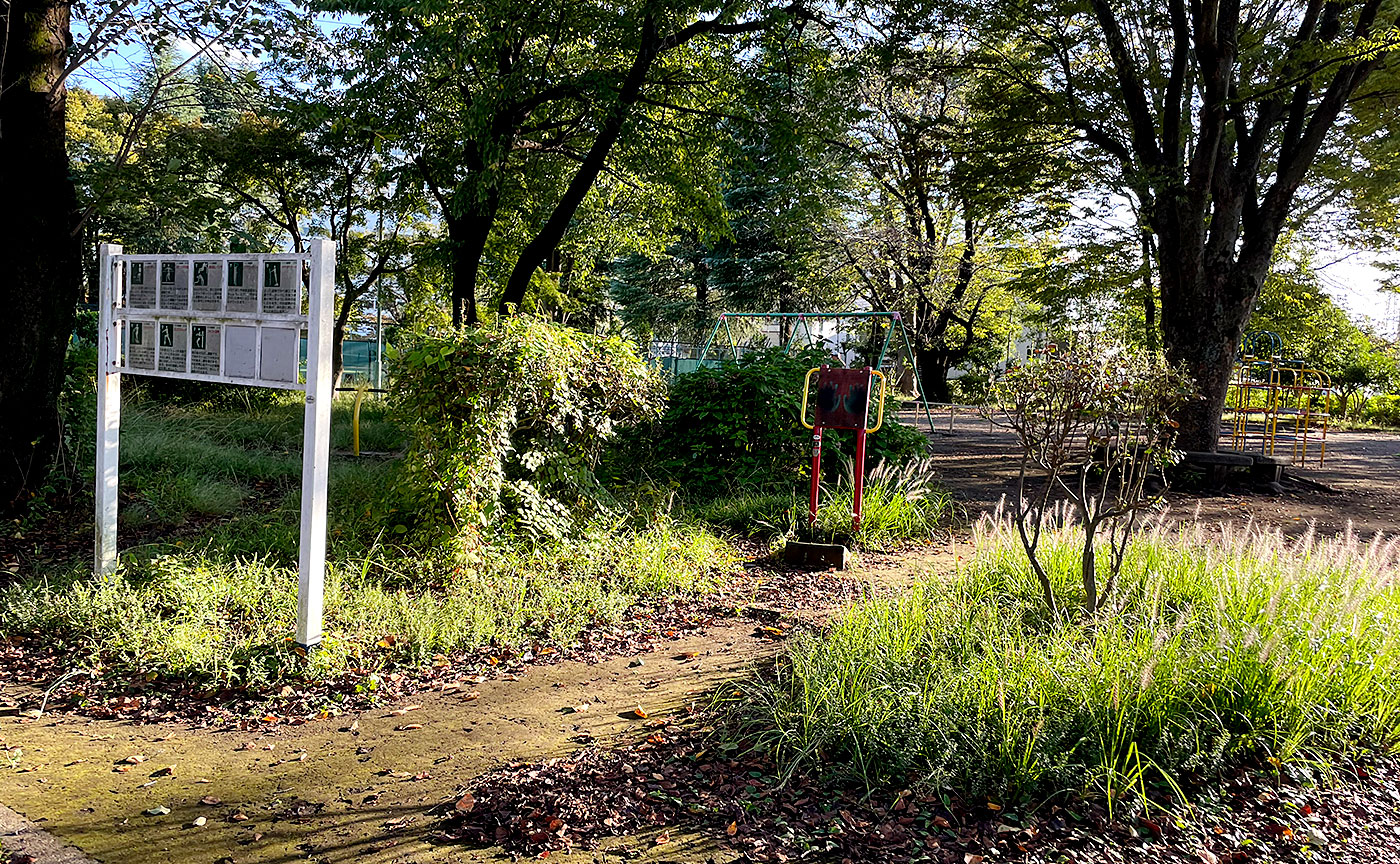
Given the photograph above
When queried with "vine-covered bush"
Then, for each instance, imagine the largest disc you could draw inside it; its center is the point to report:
(508, 420)
(737, 424)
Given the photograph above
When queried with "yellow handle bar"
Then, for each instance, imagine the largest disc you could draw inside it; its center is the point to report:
(880, 418)
(806, 384)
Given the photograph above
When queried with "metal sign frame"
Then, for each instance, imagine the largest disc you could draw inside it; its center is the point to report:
(276, 310)
(836, 384)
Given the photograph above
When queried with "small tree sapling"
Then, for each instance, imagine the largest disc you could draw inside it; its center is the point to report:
(1094, 424)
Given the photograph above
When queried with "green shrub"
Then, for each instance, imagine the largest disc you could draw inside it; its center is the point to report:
(974, 388)
(1382, 410)
(1219, 648)
(507, 421)
(737, 424)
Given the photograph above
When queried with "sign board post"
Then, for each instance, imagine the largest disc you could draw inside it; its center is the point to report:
(316, 446)
(229, 319)
(843, 402)
(109, 416)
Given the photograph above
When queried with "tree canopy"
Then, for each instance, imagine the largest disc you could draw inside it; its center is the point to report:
(979, 167)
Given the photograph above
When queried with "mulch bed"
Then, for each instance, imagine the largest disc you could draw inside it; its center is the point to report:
(681, 777)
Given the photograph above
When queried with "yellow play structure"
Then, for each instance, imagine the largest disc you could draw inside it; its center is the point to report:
(1275, 406)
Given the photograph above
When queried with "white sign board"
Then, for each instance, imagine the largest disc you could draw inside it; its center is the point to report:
(231, 319)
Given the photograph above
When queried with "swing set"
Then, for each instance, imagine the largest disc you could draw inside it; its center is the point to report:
(890, 321)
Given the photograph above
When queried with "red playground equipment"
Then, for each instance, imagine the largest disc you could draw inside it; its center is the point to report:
(843, 402)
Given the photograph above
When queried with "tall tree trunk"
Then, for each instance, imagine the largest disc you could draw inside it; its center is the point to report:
(552, 232)
(702, 300)
(1204, 316)
(1149, 299)
(40, 255)
(933, 374)
(468, 235)
(338, 328)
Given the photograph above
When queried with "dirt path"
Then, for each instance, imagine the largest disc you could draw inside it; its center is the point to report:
(358, 787)
(323, 792)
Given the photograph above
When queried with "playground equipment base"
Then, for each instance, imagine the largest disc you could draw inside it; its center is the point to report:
(817, 556)
(1265, 472)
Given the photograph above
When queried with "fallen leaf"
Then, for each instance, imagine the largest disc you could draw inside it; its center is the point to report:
(199, 822)
(160, 810)
(466, 803)
(641, 714)
(399, 712)
(134, 760)
(210, 801)
(732, 829)
(408, 727)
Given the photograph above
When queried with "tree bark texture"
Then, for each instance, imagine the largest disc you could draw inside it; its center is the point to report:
(40, 256)
(468, 235)
(1215, 172)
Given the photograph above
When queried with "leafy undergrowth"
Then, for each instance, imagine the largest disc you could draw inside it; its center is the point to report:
(204, 603)
(903, 505)
(103, 692)
(762, 591)
(226, 481)
(681, 777)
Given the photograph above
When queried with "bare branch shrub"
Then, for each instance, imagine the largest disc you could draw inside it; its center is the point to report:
(1094, 423)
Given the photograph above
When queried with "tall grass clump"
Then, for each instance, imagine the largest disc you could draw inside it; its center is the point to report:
(1241, 646)
(217, 621)
(901, 504)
